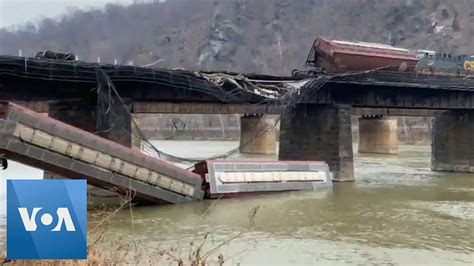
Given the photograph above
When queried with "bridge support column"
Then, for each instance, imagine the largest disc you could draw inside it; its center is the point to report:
(378, 134)
(319, 132)
(257, 134)
(452, 145)
(83, 115)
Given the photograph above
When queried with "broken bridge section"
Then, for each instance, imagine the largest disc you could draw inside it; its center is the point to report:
(39, 141)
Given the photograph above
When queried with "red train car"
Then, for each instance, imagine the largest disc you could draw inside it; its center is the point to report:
(333, 56)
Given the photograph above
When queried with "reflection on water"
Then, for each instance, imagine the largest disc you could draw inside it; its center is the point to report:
(397, 212)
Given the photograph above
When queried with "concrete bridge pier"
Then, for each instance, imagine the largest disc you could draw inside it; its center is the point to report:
(83, 115)
(319, 132)
(257, 134)
(378, 134)
(452, 145)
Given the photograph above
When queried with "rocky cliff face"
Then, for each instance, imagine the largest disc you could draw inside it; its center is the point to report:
(265, 36)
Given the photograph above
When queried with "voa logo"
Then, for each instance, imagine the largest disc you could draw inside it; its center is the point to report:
(29, 220)
(46, 219)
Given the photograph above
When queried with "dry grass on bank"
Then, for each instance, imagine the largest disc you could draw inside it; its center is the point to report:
(131, 253)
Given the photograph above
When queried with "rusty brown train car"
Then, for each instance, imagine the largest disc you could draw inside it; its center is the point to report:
(334, 56)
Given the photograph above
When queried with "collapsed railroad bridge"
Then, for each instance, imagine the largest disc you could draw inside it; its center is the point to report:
(315, 114)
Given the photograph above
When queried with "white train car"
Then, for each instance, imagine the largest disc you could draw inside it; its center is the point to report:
(229, 178)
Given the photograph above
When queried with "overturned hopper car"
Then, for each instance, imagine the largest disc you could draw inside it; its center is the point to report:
(333, 56)
(222, 178)
(43, 142)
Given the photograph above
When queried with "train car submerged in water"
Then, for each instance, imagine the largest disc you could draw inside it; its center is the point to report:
(40, 141)
(43, 142)
(226, 178)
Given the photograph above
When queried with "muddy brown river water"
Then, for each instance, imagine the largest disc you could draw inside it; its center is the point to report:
(397, 212)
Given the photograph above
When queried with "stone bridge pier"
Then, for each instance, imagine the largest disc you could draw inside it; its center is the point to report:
(452, 145)
(319, 132)
(378, 134)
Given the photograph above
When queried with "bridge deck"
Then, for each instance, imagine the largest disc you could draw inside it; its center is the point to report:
(46, 79)
(43, 142)
(408, 80)
(59, 79)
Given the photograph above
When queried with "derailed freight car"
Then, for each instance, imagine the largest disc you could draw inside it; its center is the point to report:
(335, 56)
(43, 142)
(227, 178)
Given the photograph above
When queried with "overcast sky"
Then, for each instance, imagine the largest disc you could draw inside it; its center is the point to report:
(14, 12)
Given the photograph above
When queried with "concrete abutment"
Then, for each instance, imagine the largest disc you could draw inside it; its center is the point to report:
(319, 132)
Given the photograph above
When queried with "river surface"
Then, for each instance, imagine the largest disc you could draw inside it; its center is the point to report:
(397, 212)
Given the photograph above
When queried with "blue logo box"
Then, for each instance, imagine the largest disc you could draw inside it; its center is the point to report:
(46, 219)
